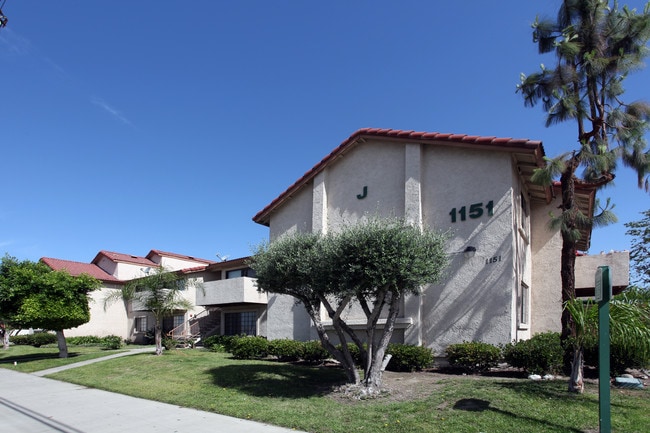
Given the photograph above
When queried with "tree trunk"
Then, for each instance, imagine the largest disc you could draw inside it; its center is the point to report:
(158, 336)
(63, 346)
(373, 377)
(4, 331)
(576, 382)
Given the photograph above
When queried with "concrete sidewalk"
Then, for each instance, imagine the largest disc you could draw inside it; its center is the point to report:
(33, 404)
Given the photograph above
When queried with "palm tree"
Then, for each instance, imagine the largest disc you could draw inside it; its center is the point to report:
(596, 46)
(629, 322)
(160, 293)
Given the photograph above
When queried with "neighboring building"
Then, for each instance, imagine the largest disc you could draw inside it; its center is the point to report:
(503, 281)
(116, 269)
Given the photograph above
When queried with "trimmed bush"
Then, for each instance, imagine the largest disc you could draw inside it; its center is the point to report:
(314, 352)
(84, 340)
(111, 342)
(220, 343)
(250, 347)
(409, 358)
(37, 339)
(541, 354)
(621, 358)
(286, 350)
(355, 352)
(473, 357)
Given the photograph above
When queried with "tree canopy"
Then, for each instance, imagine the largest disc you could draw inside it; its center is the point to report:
(372, 264)
(34, 296)
(160, 293)
(640, 251)
(596, 45)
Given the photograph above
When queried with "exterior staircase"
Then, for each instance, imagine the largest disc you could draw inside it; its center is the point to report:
(202, 325)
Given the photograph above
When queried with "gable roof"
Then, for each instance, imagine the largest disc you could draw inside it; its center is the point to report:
(124, 258)
(77, 268)
(178, 256)
(528, 155)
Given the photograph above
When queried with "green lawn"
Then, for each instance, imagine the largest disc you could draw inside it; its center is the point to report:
(299, 397)
(29, 359)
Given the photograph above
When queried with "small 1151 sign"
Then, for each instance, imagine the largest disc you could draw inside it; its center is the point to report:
(476, 210)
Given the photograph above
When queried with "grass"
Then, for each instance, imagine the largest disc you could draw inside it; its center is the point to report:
(300, 397)
(29, 359)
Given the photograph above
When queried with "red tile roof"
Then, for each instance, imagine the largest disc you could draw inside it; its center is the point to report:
(178, 256)
(441, 139)
(78, 268)
(124, 258)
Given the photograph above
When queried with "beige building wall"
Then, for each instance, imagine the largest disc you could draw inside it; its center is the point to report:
(435, 186)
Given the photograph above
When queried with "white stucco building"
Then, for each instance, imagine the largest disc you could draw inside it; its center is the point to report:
(507, 287)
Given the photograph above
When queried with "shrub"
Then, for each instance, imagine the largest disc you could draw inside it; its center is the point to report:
(83, 340)
(37, 339)
(111, 342)
(355, 352)
(409, 358)
(621, 357)
(169, 343)
(474, 357)
(314, 352)
(541, 354)
(250, 347)
(220, 343)
(286, 350)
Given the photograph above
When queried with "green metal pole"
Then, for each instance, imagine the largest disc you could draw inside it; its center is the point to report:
(604, 406)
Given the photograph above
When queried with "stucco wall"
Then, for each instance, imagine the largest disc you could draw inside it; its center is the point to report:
(477, 297)
(546, 291)
(474, 302)
(111, 321)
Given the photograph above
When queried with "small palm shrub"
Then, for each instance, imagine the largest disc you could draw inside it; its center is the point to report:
(37, 339)
(541, 354)
(407, 357)
(250, 347)
(473, 357)
(286, 350)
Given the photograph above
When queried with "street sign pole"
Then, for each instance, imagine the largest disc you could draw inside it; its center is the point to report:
(603, 292)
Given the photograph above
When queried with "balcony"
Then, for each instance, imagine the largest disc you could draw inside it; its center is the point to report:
(240, 290)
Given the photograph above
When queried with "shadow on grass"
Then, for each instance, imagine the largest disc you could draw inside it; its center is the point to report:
(478, 405)
(35, 357)
(278, 380)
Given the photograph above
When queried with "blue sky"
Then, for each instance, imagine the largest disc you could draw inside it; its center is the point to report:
(136, 125)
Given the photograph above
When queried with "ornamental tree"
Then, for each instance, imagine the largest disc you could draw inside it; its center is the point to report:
(160, 293)
(596, 45)
(34, 296)
(373, 264)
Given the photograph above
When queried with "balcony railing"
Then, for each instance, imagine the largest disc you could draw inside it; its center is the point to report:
(240, 290)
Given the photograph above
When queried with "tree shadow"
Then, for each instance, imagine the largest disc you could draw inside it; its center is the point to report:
(35, 357)
(478, 405)
(278, 380)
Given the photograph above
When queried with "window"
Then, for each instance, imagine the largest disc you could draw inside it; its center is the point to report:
(240, 323)
(140, 324)
(243, 272)
(523, 310)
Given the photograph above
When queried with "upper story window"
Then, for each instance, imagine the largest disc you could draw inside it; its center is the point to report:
(237, 273)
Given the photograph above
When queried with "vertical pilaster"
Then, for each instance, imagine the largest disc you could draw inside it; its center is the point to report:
(319, 205)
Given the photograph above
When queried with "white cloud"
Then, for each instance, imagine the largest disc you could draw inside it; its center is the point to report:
(112, 111)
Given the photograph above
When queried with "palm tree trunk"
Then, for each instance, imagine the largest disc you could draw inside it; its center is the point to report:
(158, 337)
(576, 381)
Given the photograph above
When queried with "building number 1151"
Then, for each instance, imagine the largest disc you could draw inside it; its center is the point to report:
(476, 210)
